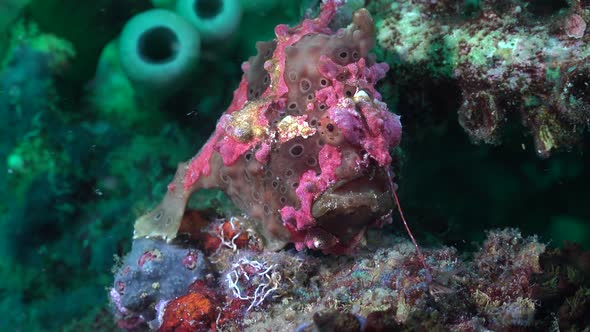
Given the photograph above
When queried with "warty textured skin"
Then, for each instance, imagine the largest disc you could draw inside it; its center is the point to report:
(304, 145)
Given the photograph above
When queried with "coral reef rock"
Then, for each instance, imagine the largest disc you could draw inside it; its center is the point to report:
(512, 282)
(512, 60)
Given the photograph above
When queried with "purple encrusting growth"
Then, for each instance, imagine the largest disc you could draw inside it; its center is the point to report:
(154, 271)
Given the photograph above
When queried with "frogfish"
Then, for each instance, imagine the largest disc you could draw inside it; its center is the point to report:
(304, 147)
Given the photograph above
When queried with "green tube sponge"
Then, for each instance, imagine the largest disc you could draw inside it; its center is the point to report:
(111, 93)
(158, 50)
(215, 19)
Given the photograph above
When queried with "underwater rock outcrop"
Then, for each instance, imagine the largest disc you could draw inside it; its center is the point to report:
(513, 61)
(511, 282)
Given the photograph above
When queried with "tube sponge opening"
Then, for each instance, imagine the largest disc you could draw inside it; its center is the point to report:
(215, 19)
(158, 50)
(158, 45)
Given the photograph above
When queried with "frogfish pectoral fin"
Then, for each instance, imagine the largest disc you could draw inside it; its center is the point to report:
(165, 219)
